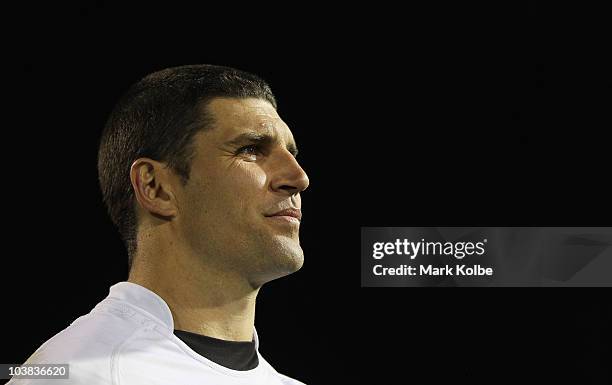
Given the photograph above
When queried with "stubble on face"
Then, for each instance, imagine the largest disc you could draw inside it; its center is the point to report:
(224, 205)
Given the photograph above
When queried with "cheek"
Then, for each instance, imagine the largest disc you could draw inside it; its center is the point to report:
(231, 196)
(247, 180)
(247, 190)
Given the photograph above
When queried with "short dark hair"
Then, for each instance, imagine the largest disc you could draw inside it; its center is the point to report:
(157, 118)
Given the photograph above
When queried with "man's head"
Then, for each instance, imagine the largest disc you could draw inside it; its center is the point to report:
(201, 152)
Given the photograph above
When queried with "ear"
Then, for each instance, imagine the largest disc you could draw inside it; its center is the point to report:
(153, 186)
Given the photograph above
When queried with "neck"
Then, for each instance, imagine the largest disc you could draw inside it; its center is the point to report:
(203, 299)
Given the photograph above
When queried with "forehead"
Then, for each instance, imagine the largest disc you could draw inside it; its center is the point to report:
(234, 116)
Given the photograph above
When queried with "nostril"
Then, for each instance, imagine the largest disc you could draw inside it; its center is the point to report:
(290, 189)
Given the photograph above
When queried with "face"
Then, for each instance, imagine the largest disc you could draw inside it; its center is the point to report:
(244, 171)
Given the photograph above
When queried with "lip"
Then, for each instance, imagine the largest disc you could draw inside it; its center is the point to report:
(285, 219)
(291, 213)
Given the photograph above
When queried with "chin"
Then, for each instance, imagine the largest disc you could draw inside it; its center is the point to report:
(280, 262)
(296, 262)
(289, 260)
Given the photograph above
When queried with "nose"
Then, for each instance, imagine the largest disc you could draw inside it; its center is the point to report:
(287, 175)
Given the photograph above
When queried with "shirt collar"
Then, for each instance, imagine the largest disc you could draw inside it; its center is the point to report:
(147, 300)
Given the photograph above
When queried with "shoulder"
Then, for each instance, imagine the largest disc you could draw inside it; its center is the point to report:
(89, 343)
(284, 379)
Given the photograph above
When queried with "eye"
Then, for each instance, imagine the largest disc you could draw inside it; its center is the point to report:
(251, 150)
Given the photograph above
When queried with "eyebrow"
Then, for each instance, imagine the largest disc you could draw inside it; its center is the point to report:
(258, 138)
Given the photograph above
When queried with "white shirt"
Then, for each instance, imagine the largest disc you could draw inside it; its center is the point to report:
(128, 339)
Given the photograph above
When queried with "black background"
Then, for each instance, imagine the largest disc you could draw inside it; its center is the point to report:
(438, 116)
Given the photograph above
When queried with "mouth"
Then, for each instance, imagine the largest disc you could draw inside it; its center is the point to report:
(289, 216)
(285, 219)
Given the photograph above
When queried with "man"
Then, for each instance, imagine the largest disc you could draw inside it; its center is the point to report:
(199, 174)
